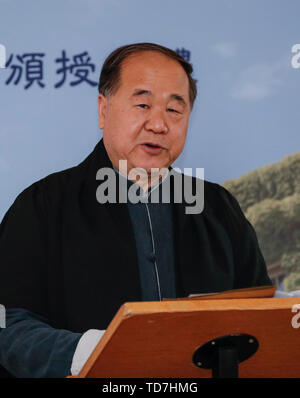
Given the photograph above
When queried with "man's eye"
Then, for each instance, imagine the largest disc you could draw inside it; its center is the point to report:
(144, 106)
(172, 110)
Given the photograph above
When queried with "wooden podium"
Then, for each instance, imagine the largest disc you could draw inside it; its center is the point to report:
(249, 337)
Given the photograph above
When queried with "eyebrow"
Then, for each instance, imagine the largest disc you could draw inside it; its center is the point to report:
(177, 97)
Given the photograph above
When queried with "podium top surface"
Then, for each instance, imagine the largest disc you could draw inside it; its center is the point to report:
(191, 305)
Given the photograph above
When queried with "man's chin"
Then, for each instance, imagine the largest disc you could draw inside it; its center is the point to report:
(152, 167)
(146, 164)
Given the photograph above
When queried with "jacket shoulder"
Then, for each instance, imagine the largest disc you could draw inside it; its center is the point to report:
(49, 188)
(224, 204)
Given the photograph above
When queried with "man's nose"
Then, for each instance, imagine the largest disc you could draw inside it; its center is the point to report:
(157, 122)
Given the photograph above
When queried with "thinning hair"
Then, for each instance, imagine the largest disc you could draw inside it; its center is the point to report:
(110, 76)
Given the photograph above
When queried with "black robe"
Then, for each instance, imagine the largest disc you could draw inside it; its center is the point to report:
(73, 260)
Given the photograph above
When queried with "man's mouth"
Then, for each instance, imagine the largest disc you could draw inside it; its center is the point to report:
(152, 148)
(151, 145)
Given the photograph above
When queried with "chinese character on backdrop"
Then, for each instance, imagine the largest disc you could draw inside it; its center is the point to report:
(80, 68)
(28, 64)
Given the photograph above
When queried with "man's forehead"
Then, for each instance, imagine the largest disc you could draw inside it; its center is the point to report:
(150, 59)
(139, 67)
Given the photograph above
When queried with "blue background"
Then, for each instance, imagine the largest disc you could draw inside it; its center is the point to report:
(246, 114)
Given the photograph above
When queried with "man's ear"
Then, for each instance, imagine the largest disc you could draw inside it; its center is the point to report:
(102, 106)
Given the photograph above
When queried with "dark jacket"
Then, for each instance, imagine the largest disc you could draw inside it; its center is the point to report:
(73, 260)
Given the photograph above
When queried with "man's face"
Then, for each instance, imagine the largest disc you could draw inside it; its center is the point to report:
(146, 120)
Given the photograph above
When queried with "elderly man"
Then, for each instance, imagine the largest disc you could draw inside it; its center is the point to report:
(69, 260)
